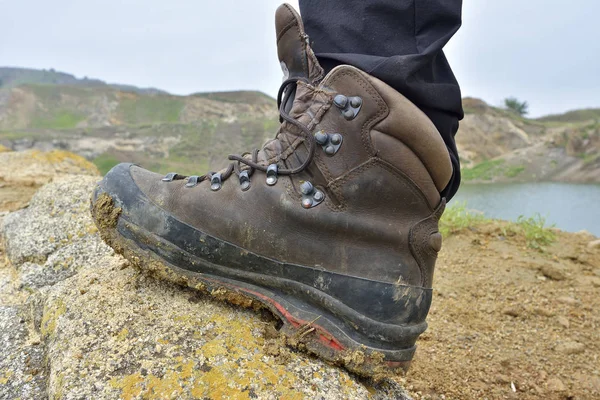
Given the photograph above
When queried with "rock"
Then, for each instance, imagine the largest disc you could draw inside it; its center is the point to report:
(22, 373)
(34, 167)
(570, 347)
(544, 312)
(563, 321)
(10, 294)
(553, 272)
(595, 281)
(141, 337)
(590, 382)
(583, 258)
(585, 233)
(555, 385)
(110, 331)
(34, 275)
(64, 262)
(21, 173)
(567, 300)
(511, 311)
(52, 221)
(594, 244)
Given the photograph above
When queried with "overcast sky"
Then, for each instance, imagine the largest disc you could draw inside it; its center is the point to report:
(544, 51)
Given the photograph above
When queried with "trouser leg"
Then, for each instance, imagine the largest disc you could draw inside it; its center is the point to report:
(399, 42)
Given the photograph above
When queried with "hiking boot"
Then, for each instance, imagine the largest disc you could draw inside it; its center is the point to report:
(332, 225)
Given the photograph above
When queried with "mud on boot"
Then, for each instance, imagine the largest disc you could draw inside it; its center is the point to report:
(332, 225)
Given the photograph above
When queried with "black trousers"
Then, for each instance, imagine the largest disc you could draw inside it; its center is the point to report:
(399, 42)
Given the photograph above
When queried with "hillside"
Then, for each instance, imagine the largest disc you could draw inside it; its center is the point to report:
(574, 116)
(113, 123)
(496, 145)
(12, 77)
(108, 123)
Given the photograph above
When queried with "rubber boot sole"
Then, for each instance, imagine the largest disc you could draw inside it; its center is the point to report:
(314, 322)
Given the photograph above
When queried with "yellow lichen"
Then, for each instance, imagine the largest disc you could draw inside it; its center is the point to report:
(50, 317)
(213, 348)
(123, 334)
(217, 384)
(5, 376)
(239, 368)
(62, 160)
(130, 385)
(173, 383)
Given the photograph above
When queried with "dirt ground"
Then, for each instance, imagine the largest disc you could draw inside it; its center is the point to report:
(508, 322)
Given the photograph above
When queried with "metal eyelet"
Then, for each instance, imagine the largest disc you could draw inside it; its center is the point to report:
(215, 182)
(244, 180)
(355, 102)
(336, 139)
(306, 188)
(192, 181)
(349, 114)
(321, 138)
(171, 176)
(319, 196)
(340, 101)
(272, 174)
(311, 197)
(329, 142)
(349, 106)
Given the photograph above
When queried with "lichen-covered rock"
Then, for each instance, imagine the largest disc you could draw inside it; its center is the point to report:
(110, 331)
(57, 217)
(22, 372)
(114, 333)
(34, 167)
(64, 262)
(21, 362)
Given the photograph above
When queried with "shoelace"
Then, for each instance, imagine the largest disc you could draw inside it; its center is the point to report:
(253, 162)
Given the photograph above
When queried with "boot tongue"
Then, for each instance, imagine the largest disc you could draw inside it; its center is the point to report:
(296, 57)
(298, 61)
(308, 108)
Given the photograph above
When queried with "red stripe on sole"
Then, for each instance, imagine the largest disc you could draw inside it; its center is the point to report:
(325, 337)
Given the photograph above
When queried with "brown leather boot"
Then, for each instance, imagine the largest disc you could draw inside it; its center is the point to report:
(332, 225)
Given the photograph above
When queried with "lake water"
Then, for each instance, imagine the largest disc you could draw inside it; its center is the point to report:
(571, 207)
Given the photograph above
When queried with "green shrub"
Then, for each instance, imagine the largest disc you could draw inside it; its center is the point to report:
(537, 234)
(457, 217)
(485, 170)
(516, 106)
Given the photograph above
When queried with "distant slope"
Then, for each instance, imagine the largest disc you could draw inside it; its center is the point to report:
(14, 76)
(588, 114)
(487, 132)
(115, 123)
(496, 145)
(58, 106)
(190, 134)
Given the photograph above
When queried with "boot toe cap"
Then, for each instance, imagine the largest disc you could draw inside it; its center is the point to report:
(117, 183)
(127, 184)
